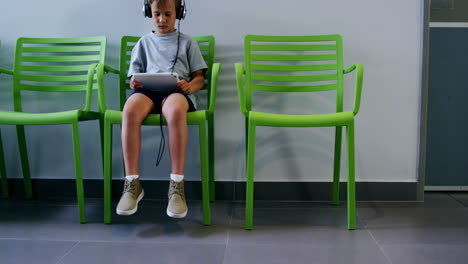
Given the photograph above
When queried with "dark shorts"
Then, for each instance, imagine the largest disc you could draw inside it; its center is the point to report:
(158, 98)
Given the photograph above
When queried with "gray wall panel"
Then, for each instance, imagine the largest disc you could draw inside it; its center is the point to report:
(447, 126)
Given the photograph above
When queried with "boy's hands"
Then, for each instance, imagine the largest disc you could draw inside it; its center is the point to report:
(135, 85)
(197, 82)
(184, 87)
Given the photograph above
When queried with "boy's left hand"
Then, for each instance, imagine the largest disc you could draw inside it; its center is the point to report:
(184, 87)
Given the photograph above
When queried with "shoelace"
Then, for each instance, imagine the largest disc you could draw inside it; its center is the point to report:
(176, 189)
(129, 187)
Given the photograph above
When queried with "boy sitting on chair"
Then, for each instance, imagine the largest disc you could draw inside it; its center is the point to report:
(163, 50)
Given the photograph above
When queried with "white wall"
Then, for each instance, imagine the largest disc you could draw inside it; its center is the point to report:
(384, 35)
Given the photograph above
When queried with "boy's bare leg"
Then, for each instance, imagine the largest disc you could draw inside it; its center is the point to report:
(136, 108)
(175, 111)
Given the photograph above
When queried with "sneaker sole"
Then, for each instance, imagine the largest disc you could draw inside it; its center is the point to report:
(182, 215)
(130, 212)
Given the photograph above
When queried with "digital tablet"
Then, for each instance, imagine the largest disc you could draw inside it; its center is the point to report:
(159, 82)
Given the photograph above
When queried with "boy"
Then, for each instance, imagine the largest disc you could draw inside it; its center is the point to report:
(157, 52)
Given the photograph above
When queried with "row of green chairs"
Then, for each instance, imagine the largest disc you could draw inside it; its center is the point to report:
(272, 63)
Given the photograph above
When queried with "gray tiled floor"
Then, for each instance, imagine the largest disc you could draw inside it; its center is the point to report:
(284, 232)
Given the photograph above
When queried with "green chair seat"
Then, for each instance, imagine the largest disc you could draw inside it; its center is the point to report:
(57, 118)
(282, 120)
(193, 118)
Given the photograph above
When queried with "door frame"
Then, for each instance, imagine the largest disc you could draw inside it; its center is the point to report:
(426, 11)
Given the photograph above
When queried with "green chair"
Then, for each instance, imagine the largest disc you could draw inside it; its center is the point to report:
(301, 55)
(2, 164)
(55, 65)
(200, 118)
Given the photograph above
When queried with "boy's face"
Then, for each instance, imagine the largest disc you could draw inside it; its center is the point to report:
(164, 17)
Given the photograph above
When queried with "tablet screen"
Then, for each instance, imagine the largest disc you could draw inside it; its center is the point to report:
(159, 82)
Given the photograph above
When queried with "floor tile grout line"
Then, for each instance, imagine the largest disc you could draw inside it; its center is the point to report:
(68, 252)
(39, 239)
(152, 242)
(227, 237)
(379, 246)
(112, 241)
(460, 202)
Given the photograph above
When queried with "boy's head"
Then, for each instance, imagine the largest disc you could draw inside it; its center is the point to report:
(164, 14)
(179, 7)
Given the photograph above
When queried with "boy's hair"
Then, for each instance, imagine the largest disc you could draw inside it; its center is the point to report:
(163, 3)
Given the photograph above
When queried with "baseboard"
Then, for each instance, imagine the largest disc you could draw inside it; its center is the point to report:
(446, 188)
(231, 191)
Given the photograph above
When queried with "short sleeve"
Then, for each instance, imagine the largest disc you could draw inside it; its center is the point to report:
(136, 60)
(195, 57)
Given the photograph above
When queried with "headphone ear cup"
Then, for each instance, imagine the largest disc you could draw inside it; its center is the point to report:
(147, 9)
(181, 12)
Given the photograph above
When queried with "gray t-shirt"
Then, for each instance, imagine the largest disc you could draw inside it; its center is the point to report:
(155, 53)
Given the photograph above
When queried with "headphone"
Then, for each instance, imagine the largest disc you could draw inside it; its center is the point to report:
(181, 11)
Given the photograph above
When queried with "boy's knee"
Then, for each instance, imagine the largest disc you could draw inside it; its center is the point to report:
(175, 112)
(131, 116)
(175, 108)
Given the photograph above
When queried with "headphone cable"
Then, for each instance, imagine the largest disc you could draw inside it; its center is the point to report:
(178, 43)
(162, 142)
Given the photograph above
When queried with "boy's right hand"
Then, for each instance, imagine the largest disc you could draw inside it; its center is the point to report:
(135, 85)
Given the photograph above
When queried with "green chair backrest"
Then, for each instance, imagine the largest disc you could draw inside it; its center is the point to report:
(294, 64)
(207, 48)
(55, 65)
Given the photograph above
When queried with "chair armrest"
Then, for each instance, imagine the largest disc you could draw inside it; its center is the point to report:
(108, 69)
(214, 86)
(240, 87)
(359, 76)
(6, 71)
(101, 70)
(102, 98)
(89, 89)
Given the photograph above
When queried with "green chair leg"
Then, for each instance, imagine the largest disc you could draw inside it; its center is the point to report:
(3, 171)
(101, 134)
(336, 166)
(250, 177)
(211, 158)
(107, 173)
(78, 172)
(123, 160)
(246, 140)
(24, 160)
(204, 173)
(351, 185)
